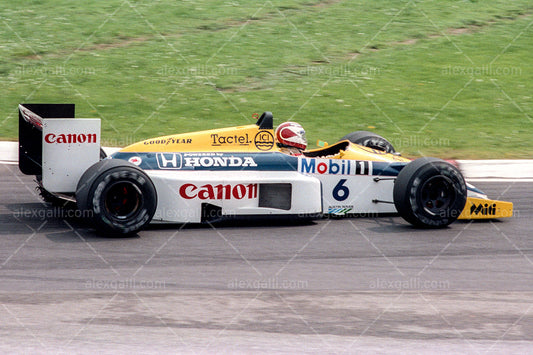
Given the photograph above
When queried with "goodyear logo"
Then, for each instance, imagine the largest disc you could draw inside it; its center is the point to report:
(166, 141)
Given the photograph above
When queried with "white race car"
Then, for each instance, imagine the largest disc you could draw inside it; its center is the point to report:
(239, 171)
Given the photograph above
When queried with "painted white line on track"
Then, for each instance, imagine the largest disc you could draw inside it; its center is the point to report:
(499, 180)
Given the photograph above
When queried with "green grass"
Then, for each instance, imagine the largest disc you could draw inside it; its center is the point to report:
(444, 78)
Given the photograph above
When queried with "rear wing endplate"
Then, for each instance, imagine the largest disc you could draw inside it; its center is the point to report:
(55, 145)
(31, 133)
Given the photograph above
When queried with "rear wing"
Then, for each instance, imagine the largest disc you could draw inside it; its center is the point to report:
(55, 145)
(31, 133)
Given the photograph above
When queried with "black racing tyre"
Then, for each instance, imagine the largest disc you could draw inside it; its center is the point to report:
(119, 196)
(430, 192)
(370, 140)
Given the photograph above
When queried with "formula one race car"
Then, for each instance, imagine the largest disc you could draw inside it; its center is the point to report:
(206, 176)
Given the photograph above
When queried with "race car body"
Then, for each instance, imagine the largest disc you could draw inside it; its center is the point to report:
(238, 171)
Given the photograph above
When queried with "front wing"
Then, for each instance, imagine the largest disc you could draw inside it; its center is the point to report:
(480, 208)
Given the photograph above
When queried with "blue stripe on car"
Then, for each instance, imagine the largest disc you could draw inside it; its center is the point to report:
(233, 162)
(211, 161)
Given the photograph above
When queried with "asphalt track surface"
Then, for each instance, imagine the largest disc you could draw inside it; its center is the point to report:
(357, 285)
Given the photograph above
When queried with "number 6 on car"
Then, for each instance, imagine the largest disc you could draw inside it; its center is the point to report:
(340, 191)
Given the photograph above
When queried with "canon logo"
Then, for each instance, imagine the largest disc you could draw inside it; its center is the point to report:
(70, 138)
(218, 192)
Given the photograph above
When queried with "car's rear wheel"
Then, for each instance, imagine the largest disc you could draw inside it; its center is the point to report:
(430, 192)
(370, 140)
(119, 196)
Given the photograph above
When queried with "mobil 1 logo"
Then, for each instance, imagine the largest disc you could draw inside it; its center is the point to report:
(334, 166)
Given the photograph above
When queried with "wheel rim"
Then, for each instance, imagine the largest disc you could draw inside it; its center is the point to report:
(122, 200)
(437, 194)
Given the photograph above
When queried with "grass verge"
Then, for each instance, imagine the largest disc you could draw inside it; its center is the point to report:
(448, 78)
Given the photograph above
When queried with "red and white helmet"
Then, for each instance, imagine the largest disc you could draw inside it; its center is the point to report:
(291, 134)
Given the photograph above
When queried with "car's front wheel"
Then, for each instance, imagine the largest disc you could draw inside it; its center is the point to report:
(120, 197)
(430, 192)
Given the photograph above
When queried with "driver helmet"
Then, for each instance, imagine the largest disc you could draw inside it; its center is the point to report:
(291, 134)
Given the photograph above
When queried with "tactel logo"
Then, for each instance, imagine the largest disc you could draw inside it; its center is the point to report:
(218, 139)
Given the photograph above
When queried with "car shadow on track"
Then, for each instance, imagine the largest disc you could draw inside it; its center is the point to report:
(261, 222)
(63, 224)
(59, 224)
(398, 225)
(32, 217)
(68, 224)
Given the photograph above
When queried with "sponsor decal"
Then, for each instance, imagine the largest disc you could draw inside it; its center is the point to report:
(335, 166)
(483, 209)
(135, 160)
(177, 161)
(70, 138)
(169, 160)
(339, 210)
(264, 140)
(218, 192)
(340, 191)
(165, 141)
(218, 139)
(231, 161)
